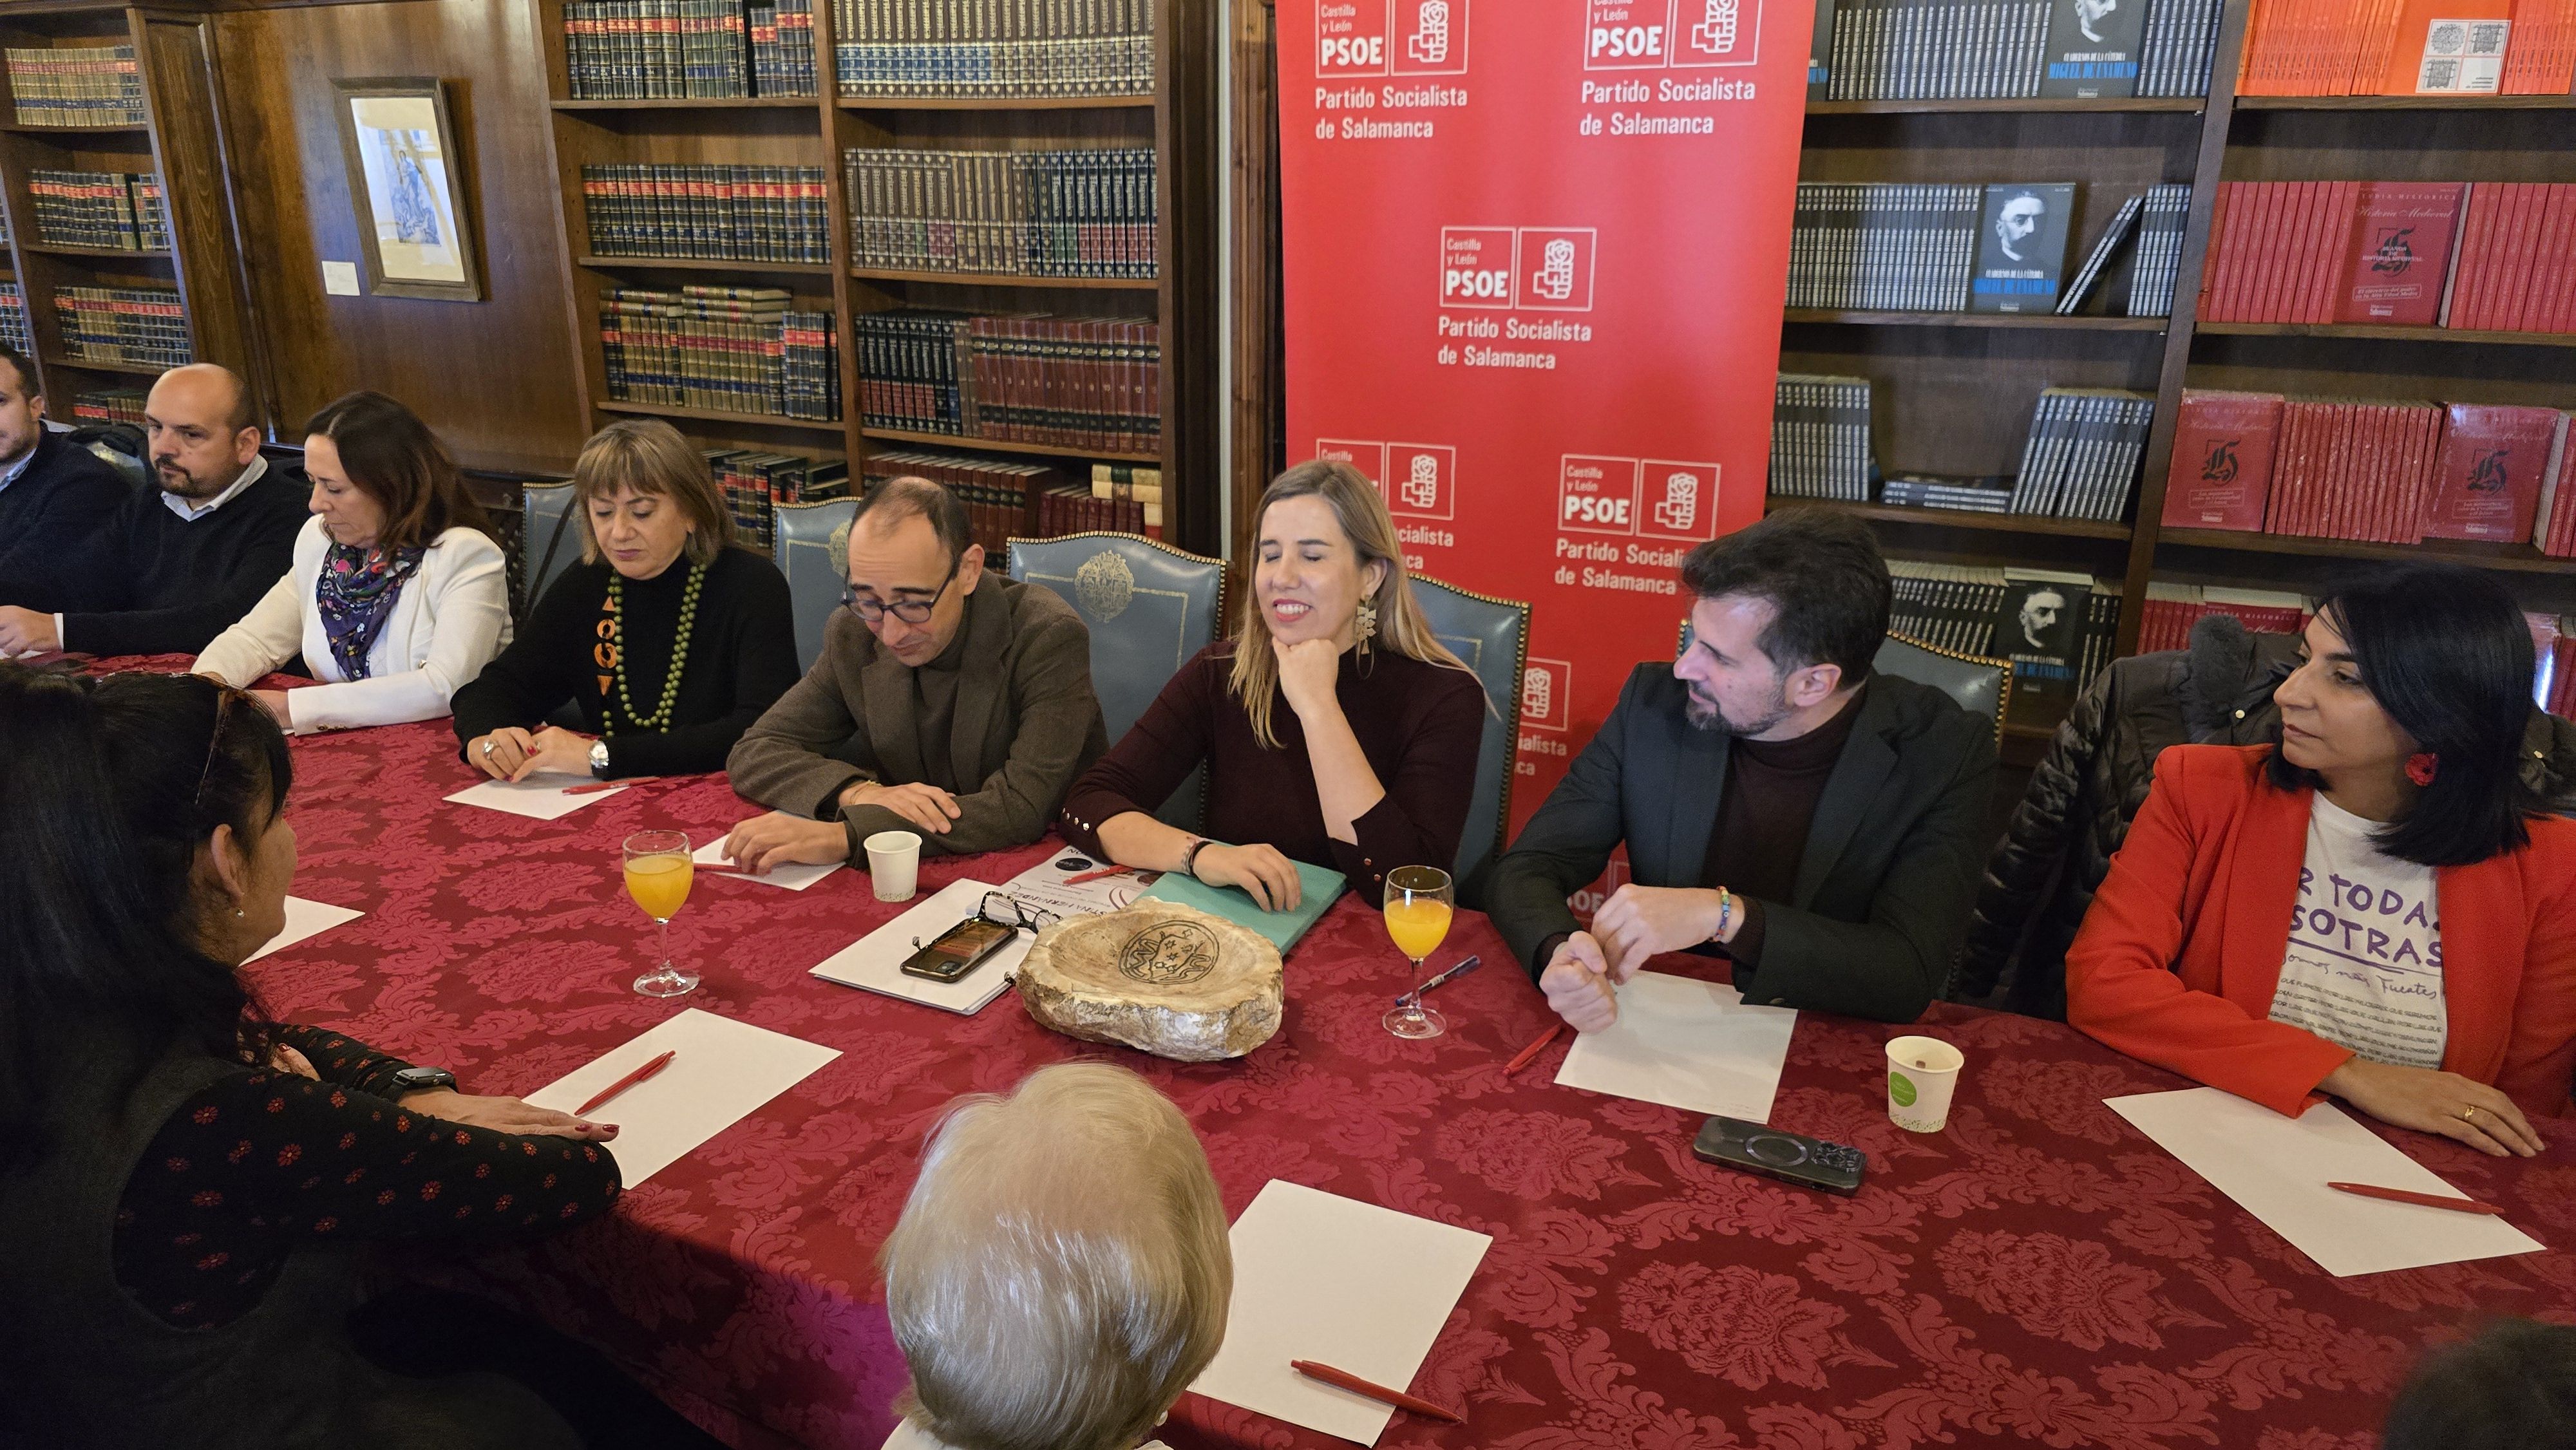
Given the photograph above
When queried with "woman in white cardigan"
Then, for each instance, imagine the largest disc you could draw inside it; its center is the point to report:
(397, 595)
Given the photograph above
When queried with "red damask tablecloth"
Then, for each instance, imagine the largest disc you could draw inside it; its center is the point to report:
(2040, 1273)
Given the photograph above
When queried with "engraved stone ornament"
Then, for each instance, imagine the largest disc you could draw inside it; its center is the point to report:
(1158, 977)
(1106, 584)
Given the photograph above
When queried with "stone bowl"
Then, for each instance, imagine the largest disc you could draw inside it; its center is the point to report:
(1158, 977)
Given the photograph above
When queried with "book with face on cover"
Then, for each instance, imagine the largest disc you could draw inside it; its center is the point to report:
(2093, 48)
(2021, 247)
(2039, 626)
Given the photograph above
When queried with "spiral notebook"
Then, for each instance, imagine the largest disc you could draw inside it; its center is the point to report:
(1321, 889)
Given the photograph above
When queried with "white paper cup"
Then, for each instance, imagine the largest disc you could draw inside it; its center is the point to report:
(894, 864)
(1922, 1072)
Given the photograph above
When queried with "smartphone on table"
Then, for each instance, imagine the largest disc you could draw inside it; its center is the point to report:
(954, 953)
(1789, 1157)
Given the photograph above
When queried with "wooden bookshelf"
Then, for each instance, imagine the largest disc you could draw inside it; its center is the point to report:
(177, 142)
(1969, 520)
(1952, 393)
(1177, 121)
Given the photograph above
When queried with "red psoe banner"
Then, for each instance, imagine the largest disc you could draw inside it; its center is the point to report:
(1535, 260)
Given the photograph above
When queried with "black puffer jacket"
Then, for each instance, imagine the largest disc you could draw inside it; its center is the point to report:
(2089, 786)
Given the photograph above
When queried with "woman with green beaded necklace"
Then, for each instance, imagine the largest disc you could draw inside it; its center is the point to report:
(667, 641)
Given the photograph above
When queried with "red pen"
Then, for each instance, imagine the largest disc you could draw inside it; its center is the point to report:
(596, 786)
(2427, 1200)
(628, 1081)
(1097, 875)
(1344, 1379)
(1522, 1058)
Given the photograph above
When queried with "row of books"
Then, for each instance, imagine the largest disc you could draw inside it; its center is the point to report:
(1137, 493)
(999, 495)
(89, 85)
(1066, 382)
(1069, 213)
(121, 211)
(1962, 247)
(753, 484)
(654, 50)
(717, 213)
(993, 48)
(1914, 50)
(2056, 627)
(2083, 453)
(2557, 692)
(727, 349)
(2374, 472)
(2408, 47)
(1063, 511)
(1820, 437)
(14, 326)
(139, 326)
(109, 405)
(2167, 614)
(2484, 256)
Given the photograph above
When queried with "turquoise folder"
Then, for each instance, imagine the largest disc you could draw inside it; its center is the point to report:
(1320, 889)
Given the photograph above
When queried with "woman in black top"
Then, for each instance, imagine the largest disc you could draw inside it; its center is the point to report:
(182, 1183)
(670, 642)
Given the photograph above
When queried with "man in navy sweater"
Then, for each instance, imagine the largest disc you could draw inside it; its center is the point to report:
(56, 497)
(178, 563)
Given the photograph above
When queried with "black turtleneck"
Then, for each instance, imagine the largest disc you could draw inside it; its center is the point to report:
(742, 657)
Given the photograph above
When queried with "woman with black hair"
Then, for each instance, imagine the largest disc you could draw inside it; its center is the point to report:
(2372, 906)
(181, 1182)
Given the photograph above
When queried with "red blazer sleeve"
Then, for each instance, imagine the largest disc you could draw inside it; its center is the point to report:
(2122, 986)
(2540, 1056)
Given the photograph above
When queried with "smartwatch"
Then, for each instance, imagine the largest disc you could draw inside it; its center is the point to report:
(599, 759)
(421, 1080)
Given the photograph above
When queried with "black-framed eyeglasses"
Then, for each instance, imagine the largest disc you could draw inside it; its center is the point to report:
(870, 609)
(1003, 909)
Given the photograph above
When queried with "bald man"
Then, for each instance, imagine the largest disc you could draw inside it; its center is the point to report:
(183, 560)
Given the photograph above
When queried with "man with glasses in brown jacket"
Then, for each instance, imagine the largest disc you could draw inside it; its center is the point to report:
(947, 701)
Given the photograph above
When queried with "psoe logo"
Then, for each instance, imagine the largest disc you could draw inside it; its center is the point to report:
(1476, 266)
(1677, 500)
(1366, 456)
(1421, 480)
(1546, 686)
(1390, 37)
(1596, 495)
(1662, 34)
(1558, 264)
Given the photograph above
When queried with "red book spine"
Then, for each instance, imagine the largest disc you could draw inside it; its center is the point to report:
(2469, 270)
(2272, 202)
(2289, 470)
(2221, 260)
(2549, 269)
(2521, 218)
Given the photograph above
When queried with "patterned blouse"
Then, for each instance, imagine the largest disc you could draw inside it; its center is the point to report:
(261, 1161)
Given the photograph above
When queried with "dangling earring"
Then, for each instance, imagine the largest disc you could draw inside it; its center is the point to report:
(2421, 765)
(1366, 627)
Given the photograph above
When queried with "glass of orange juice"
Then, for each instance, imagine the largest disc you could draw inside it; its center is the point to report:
(1419, 900)
(658, 872)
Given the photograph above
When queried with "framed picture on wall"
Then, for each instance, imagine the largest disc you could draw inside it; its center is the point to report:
(406, 184)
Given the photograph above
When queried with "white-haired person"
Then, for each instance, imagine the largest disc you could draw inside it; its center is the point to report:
(1336, 729)
(1061, 1271)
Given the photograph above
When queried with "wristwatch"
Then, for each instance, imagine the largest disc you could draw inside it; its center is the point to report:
(599, 759)
(421, 1080)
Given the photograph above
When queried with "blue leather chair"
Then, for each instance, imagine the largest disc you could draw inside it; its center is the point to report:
(813, 551)
(1982, 686)
(549, 537)
(1492, 636)
(1149, 607)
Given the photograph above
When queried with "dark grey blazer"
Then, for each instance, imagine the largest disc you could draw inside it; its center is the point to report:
(1891, 862)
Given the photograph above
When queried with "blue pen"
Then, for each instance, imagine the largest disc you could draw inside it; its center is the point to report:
(1460, 970)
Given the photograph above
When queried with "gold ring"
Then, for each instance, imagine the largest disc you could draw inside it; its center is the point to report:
(2468, 1112)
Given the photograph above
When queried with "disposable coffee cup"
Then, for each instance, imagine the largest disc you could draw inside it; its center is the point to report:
(1922, 1072)
(894, 864)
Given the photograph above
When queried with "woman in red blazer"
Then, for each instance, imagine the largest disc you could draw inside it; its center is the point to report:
(2371, 907)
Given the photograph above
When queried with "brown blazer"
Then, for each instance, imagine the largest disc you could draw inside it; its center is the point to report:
(1026, 724)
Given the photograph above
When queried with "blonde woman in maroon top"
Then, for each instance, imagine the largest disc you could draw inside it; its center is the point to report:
(1335, 729)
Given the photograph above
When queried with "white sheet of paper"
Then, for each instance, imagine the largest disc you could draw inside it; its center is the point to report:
(540, 797)
(875, 961)
(1045, 885)
(795, 877)
(724, 1072)
(1685, 1044)
(1349, 1284)
(303, 919)
(2277, 1169)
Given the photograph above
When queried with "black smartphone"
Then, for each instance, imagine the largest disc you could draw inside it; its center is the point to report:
(957, 951)
(1790, 1157)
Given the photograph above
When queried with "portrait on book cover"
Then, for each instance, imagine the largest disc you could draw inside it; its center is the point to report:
(404, 184)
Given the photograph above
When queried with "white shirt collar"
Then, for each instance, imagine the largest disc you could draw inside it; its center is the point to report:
(10, 474)
(191, 512)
